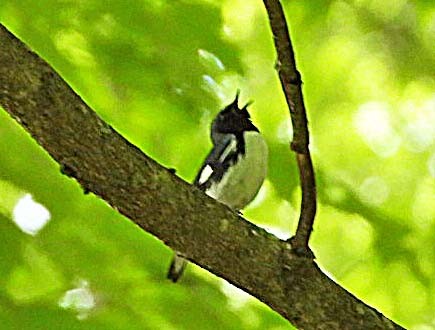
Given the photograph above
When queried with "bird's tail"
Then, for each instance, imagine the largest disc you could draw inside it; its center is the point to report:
(177, 267)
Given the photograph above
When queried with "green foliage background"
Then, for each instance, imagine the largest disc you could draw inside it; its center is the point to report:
(158, 71)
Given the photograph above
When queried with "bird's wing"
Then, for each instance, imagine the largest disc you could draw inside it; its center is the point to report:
(217, 162)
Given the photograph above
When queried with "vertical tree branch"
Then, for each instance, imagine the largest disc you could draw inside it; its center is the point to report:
(291, 83)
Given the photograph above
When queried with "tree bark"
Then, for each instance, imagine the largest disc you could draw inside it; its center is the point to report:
(205, 231)
(291, 83)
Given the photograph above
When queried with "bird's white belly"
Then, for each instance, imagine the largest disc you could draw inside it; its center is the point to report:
(241, 183)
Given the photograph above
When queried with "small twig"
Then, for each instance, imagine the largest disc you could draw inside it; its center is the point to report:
(291, 83)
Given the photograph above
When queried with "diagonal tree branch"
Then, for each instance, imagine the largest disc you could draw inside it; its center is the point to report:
(205, 231)
(292, 83)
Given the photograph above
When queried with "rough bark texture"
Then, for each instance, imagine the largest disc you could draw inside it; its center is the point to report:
(208, 233)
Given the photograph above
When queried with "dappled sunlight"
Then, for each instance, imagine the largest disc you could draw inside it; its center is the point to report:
(327, 273)
(336, 193)
(105, 25)
(372, 121)
(418, 135)
(342, 19)
(356, 234)
(423, 262)
(9, 196)
(30, 216)
(287, 216)
(374, 190)
(269, 211)
(277, 220)
(245, 306)
(427, 326)
(345, 238)
(357, 271)
(410, 296)
(370, 77)
(73, 45)
(238, 17)
(279, 232)
(80, 300)
(370, 280)
(419, 130)
(236, 298)
(284, 131)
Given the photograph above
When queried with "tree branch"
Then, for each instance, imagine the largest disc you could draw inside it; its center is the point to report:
(205, 231)
(292, 83)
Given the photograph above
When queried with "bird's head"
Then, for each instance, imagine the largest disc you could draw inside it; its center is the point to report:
(233, 120)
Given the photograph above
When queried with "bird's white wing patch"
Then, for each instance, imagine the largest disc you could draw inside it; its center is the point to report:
(206, 172)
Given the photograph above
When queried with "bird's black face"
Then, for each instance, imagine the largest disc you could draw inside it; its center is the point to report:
(233, 120)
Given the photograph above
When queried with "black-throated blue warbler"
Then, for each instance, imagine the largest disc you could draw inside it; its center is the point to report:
(235, 168)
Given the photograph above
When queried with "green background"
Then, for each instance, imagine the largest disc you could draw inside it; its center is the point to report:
(158, 71)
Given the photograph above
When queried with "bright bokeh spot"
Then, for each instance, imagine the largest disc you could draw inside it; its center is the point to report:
(285, 131)
(238, 16)
(374, 190)
(80, 299)
(74, 47)
(30, 216)
(372, 121)
(419, 135)
(419, 131)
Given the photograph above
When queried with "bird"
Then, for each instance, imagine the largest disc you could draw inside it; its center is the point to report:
(235, 168)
